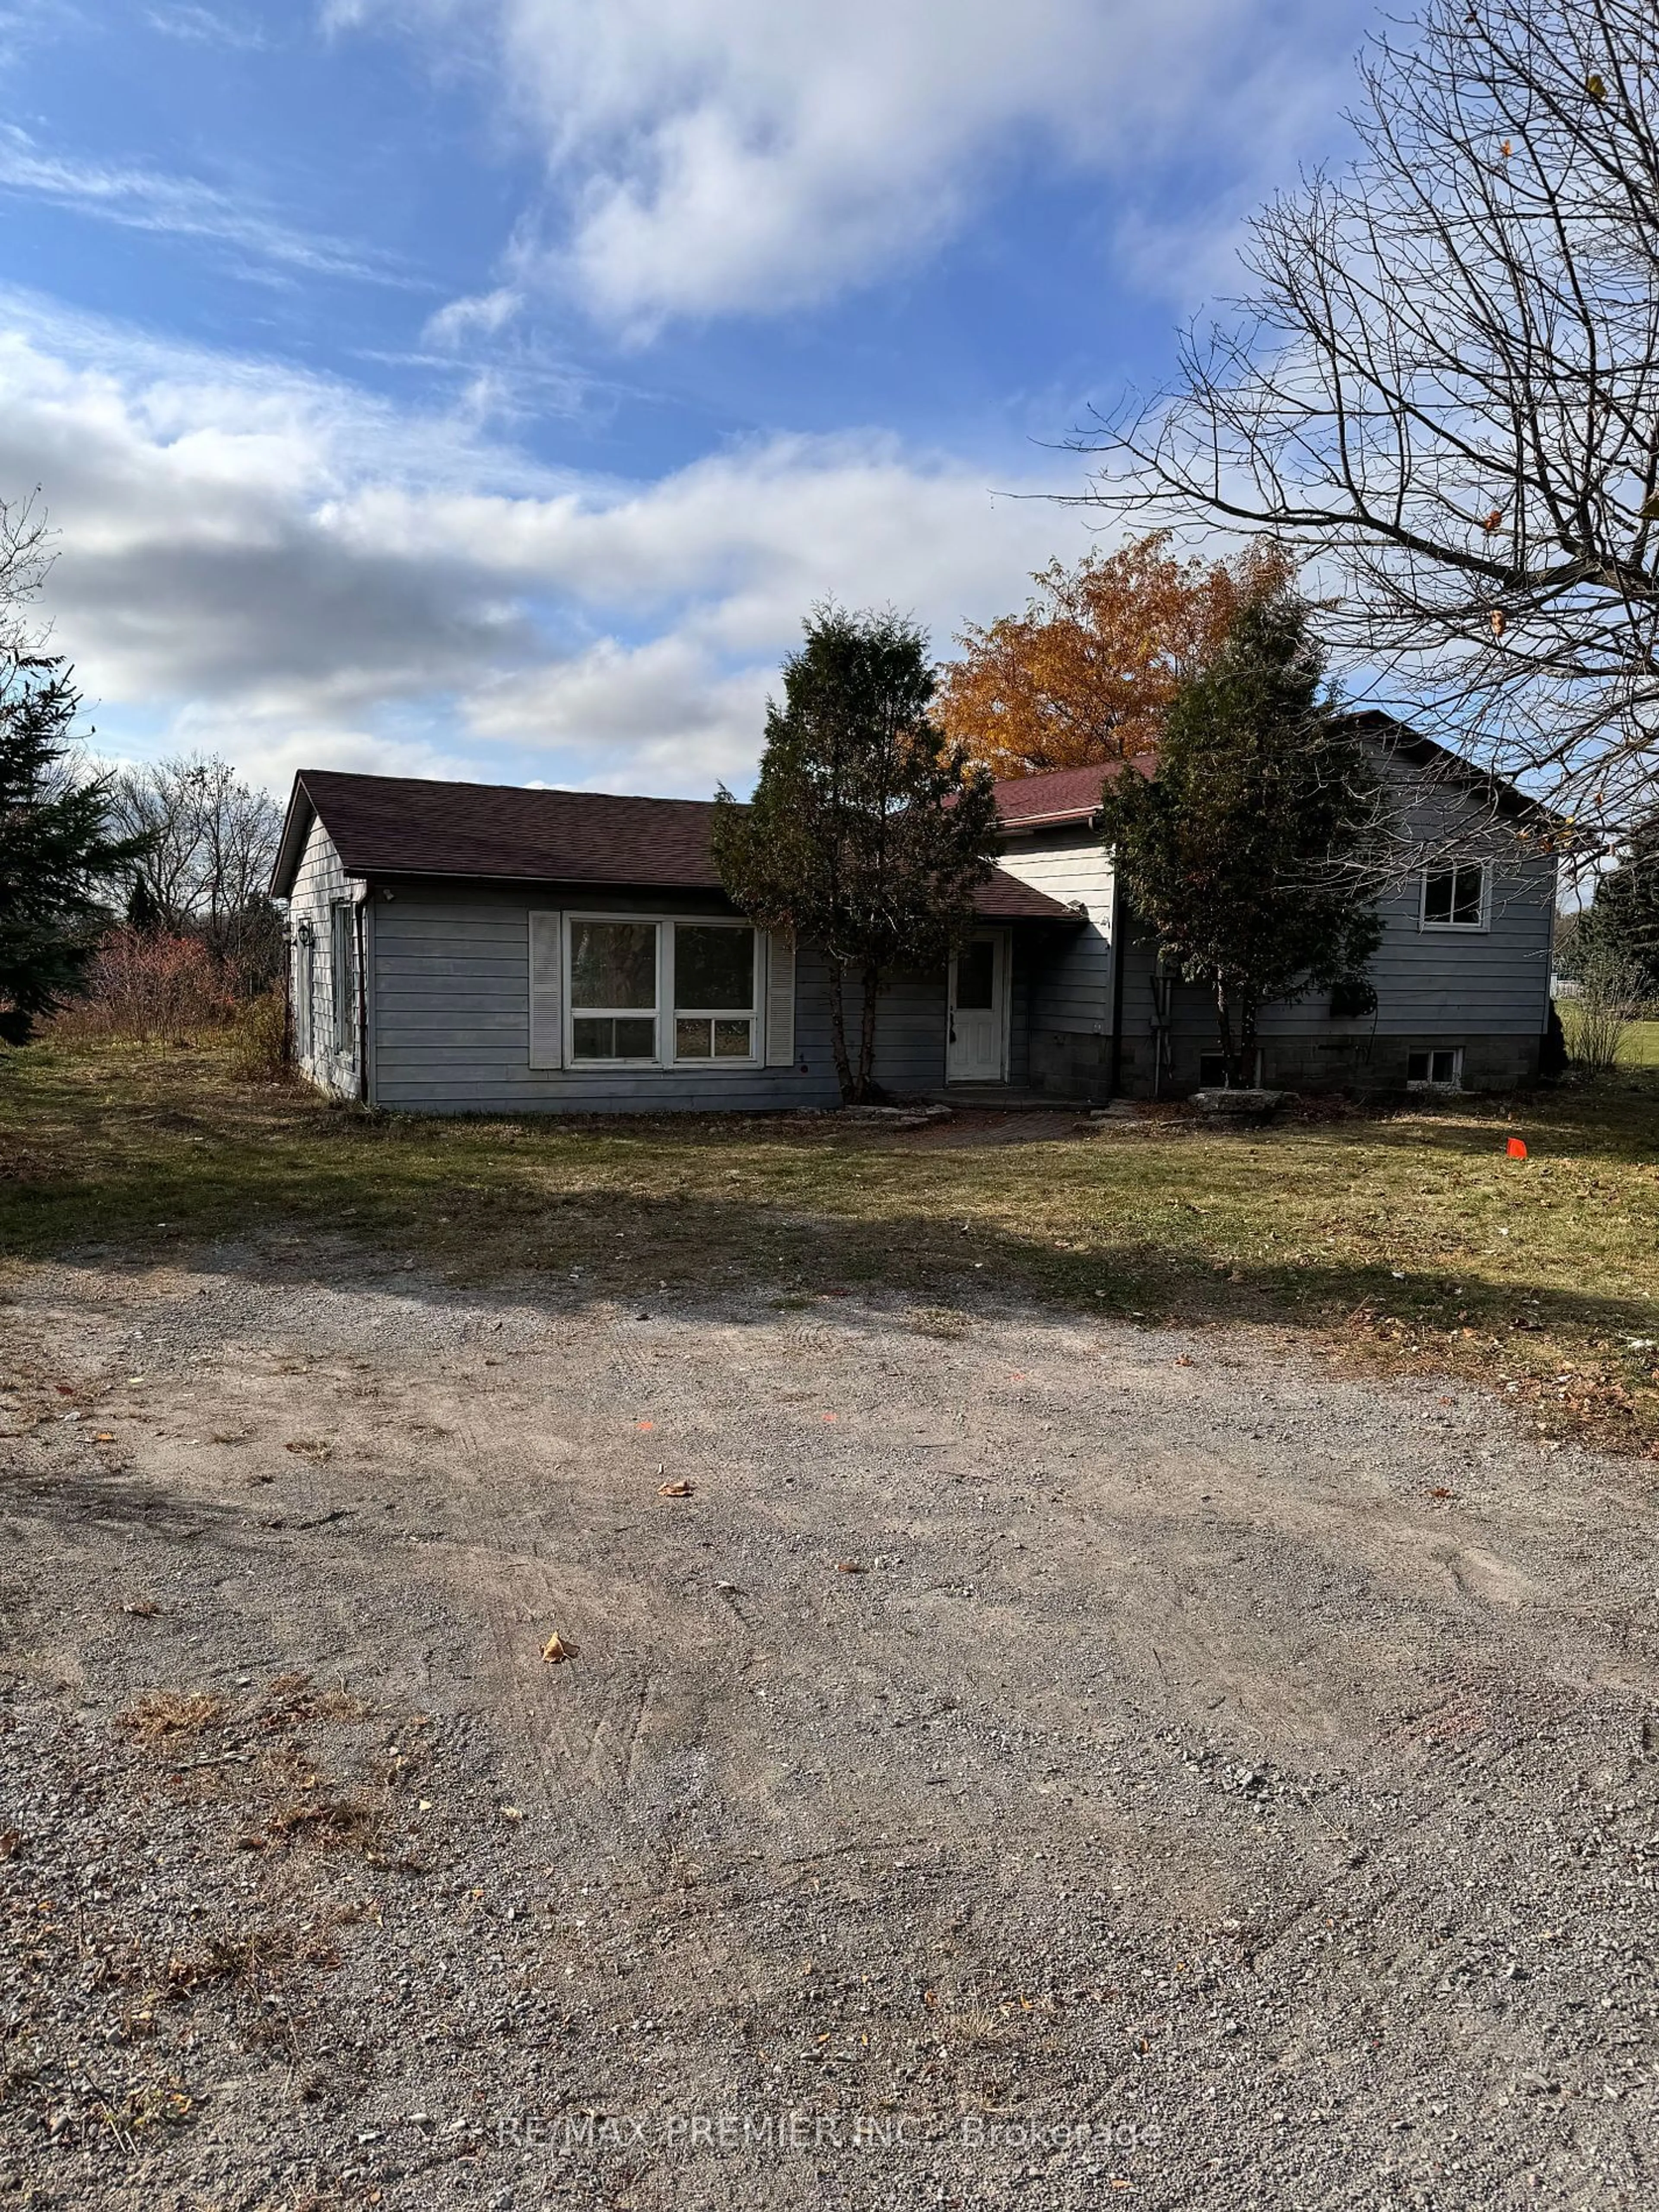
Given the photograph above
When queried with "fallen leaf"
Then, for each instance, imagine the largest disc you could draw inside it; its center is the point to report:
(851, 1567)
(103, 1435)
(1185, 1359)
(680, 1489)
(1440, 1490)
(555, 1649)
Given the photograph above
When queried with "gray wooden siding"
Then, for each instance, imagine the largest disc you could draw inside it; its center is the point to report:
(1486, 990)
(452, 1017)
(450, 999)
(320, 882)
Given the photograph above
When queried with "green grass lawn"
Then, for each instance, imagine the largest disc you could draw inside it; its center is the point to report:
(1410, 1238)
(1640, 1047)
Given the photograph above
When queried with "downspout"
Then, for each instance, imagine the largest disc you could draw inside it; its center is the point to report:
(359, 936)
(1115, 1060)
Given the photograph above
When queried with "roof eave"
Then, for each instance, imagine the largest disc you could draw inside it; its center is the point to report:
(290, 851)
(1085, 814)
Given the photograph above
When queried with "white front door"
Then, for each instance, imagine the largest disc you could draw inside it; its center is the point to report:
(978, 1010)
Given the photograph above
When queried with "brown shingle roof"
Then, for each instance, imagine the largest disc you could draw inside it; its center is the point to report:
(1067, 794)
(391, 825)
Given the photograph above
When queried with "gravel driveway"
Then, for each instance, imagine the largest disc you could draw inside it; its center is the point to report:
(1035, 1761)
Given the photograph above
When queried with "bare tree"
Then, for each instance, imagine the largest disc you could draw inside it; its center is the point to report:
(210, 842)
(26, 554)
(1444, 387)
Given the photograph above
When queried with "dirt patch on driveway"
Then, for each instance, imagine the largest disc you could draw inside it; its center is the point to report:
(1018, 1758)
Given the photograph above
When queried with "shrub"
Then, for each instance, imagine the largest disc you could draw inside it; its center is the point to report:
(149, 988)
(258, 1041)
(1608, 999)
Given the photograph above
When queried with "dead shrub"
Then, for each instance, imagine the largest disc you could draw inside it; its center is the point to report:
(258, 1041)
(148, 988)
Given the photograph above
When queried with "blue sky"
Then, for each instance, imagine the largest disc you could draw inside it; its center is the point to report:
(486, 387)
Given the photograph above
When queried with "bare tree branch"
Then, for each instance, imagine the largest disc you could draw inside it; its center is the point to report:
(1444, 388)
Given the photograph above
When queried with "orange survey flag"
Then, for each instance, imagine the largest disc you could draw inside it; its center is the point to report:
(1517, 1148)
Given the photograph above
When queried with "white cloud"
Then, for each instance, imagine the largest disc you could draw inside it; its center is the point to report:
(480, 315)
(203, 27)
(179, 207)
(707, 155)
(280, 569)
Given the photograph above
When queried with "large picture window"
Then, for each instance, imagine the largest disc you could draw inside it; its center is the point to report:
(1456, 898)
(613, 990)
(713, 965)
(659, 993)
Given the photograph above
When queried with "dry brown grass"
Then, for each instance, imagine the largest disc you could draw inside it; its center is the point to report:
(293, 1700)
(1406, 1239)
(165, 1719)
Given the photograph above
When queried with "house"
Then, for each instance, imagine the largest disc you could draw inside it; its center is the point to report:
(465, 948)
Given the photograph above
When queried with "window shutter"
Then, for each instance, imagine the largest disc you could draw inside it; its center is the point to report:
(780, 999)
(546, 990)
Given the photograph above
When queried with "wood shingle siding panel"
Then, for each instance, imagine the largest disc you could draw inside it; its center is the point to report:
(1071, 866)
(320, 882)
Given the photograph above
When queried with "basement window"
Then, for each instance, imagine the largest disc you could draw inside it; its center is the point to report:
(1438, 1069)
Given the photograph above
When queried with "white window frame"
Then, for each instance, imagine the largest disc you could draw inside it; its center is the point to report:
(304, 992)
(573, 1013)
(1431, 1081)
(665, 1012)
(1458, 928)
(754, 1013)
(343, 979)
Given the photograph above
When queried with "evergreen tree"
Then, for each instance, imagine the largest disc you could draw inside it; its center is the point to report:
(143, 915)
(869, 832)
(1623, 921)
(56, 846)
(1246, 853)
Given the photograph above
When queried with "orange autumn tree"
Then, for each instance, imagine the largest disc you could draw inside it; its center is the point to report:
(1088, 671)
